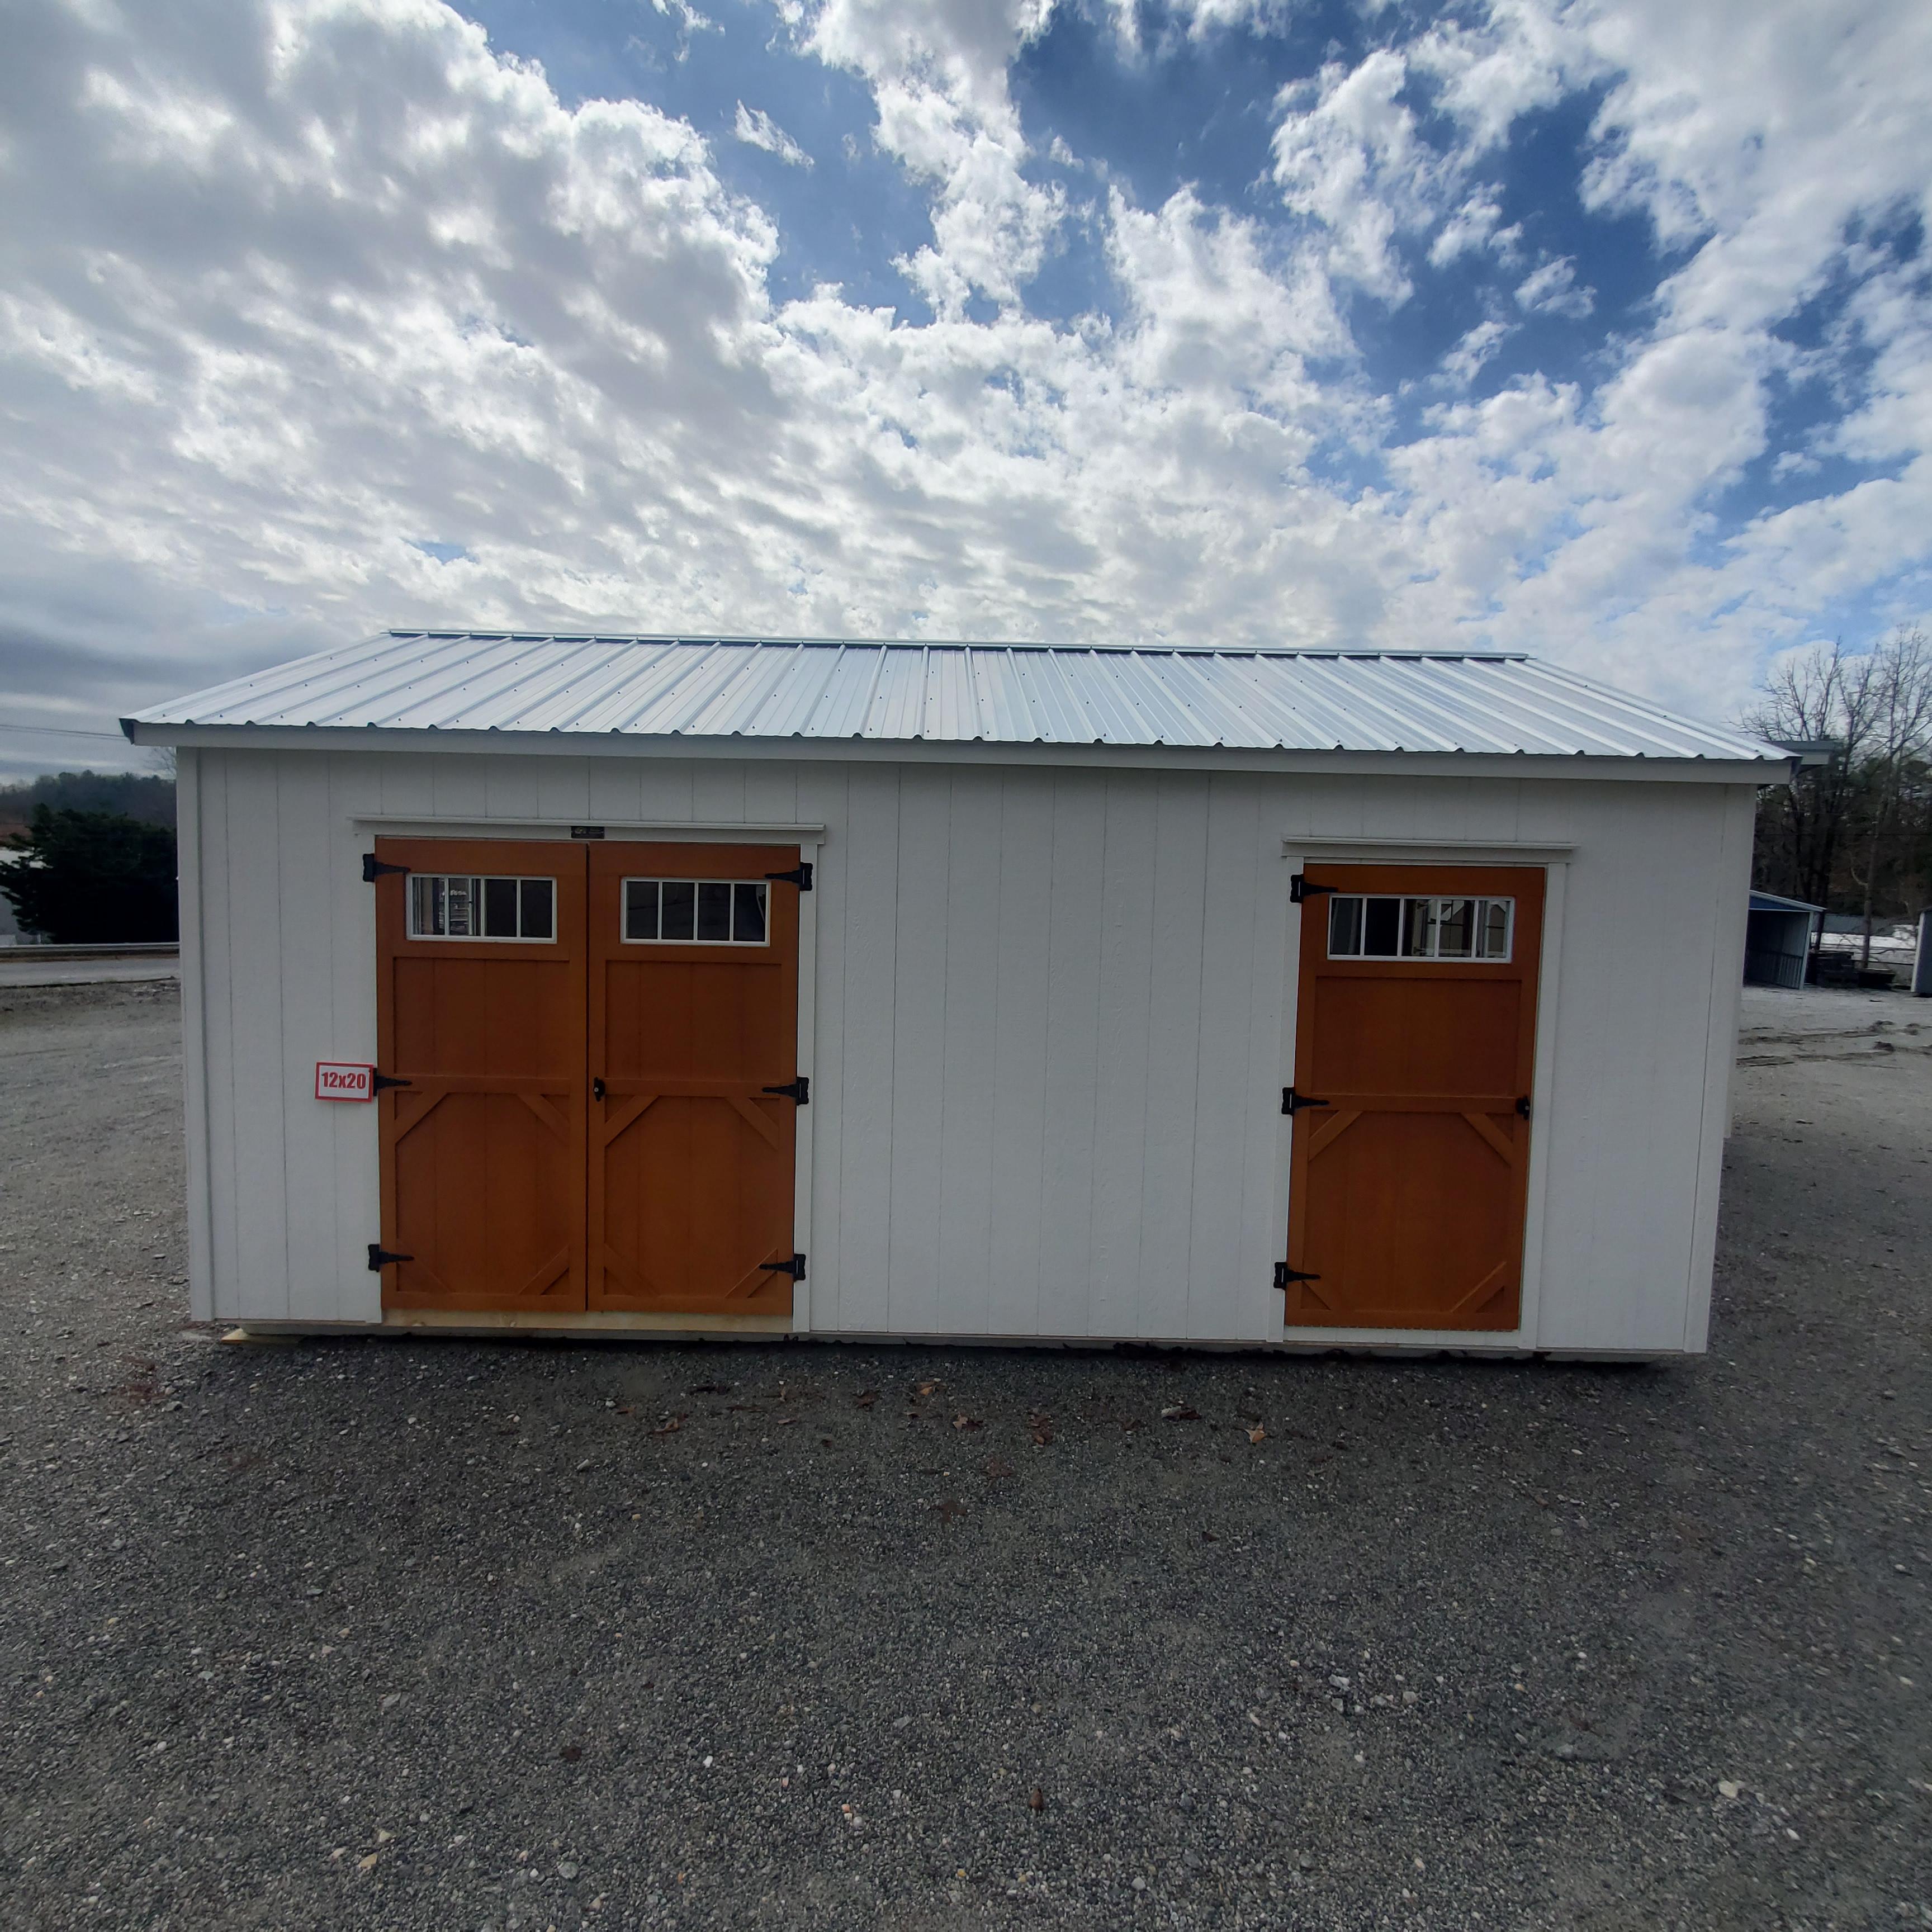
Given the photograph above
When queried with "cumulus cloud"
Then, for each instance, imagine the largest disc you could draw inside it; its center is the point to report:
(319, 314)
(757, 129)
(1552, 290)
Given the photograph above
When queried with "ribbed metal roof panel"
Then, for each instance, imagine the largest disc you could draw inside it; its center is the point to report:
(1476, 702)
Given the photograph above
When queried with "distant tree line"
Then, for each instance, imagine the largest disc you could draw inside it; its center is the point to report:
(1853, 832)
(87, 858)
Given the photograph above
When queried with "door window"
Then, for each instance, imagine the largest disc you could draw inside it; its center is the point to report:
(1363, 925)
(696, 912)
(446, 905)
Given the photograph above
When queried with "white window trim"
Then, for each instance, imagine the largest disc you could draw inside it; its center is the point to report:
(484, 938)
(661, 879)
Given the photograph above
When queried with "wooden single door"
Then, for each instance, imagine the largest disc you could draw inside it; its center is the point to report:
(694, 1061)
(1414, 1046)
(480, 1015)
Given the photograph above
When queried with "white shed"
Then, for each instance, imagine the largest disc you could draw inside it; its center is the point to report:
(611, 984)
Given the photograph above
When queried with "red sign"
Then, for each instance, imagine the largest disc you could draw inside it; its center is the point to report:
(344, 1080)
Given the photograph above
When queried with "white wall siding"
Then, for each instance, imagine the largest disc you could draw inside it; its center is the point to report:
(1051, 1018)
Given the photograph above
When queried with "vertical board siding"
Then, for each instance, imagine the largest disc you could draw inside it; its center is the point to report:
(968, 1058)
(309, 1033)
(1177, 1021)
(217, 987)
(194, 1036)
(1018, 1055)
(1227, 1280)
(820, 797)
(916, 1020)
(256, 883)
(355, 785)
(1050, 1012)
(1078, 848)
(868, 857)
(1121, 993)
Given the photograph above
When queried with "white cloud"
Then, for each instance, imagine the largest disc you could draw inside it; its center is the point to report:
(1477, 347)
(1347, 157)
(937, 70)
(1472, 226)
(294, 288)
(1552, 290)
(688, 18)
(757, 129)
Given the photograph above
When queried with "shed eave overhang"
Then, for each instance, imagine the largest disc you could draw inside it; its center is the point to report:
(187, 734)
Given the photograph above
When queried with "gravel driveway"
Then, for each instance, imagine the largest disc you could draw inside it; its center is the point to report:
(438, 1634)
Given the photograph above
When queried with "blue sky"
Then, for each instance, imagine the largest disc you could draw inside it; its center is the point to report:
(1594, 328)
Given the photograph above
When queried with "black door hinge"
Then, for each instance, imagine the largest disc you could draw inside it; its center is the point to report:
(799, 876)
(1300, 887)
(1522, 1106)
(586, 831)
(380, 1257)
(795, 1267)
(1292, 1102)
(377, 1082)
(373, 868)
(1284, 1274)
(798, 1090)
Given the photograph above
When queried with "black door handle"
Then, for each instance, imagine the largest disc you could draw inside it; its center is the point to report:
(597, 1088)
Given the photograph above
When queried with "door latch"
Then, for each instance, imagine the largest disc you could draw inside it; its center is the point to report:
(373, 868)
(597, 1088)
(798, 1090)
(799, 876)
(1522, 1106)
(380, 1257)
(1292, 1102)
(795, 1267)
(1301, 886)
(1284, 1274)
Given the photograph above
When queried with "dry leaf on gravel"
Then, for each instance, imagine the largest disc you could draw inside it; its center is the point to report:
(1258, 1434)
(671, 1427)
(1180, 1412)
(866, 1400)
(1041, 1423)
(963, 1421)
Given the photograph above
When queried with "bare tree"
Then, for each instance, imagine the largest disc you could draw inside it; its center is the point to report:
(1871, 713)
(1898, 686)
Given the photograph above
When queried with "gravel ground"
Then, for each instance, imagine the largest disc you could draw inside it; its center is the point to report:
(438, 1634)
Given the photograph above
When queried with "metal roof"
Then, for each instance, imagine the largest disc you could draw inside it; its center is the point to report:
(882, 693)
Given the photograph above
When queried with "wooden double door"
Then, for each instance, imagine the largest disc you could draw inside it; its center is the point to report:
(1415, 1034)
(589, 1085)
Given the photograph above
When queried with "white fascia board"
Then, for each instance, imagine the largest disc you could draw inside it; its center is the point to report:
(922, 751)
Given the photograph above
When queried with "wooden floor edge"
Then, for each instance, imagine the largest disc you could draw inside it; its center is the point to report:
(616, 1326)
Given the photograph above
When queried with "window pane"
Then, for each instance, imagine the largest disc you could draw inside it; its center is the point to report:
(1380, 918)
(680, 909)
(1345, 927)
(539, 901)
(714, 910)
(1496, 928)
(1456, 928)
(460, 913)
(425, 906)
(1418, 928)
(748, 913)
(641, 908)
(499, 908)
